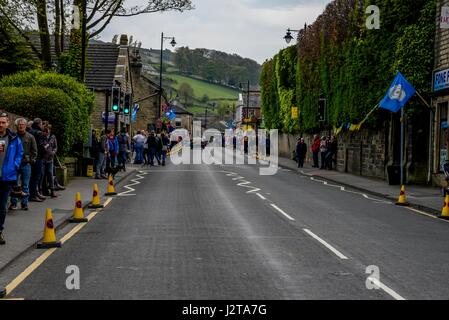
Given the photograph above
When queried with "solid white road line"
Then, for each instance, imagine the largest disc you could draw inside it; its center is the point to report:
(388, 290)
(281, 211)
(327, 245)
(261, 196)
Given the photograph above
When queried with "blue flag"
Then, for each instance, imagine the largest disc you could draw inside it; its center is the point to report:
(398, 94)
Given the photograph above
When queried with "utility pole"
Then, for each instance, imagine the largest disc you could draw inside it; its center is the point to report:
(83, 42)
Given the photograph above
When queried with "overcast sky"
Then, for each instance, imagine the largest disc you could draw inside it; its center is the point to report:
(250, 28)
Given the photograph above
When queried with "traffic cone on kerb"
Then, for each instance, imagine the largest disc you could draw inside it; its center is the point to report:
(78, 213)
(402, 201)
(95, 204)
(49, 240)
(445, 210)
(111, 189)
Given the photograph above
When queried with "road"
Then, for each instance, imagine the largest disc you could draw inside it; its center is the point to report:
(226, 232)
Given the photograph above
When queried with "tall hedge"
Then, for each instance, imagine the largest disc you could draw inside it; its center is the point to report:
(49, 104)
(339, 59)
(79, 101)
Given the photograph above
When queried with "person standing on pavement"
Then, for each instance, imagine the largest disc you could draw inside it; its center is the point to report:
(331, 152)
(29, 157)
(11, 153)
(165, 144)
(152, 148)
(158, 149)
(315, 150)
(323, 151)
(50, 147)
(103, 152)
(113, 148)
(139, 141)
(123, 147)
(301, 151)
(37, 167)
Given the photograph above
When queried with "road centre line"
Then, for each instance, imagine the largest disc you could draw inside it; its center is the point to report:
(261, 196)
(327, 245)
(281, 211)
(385, 288)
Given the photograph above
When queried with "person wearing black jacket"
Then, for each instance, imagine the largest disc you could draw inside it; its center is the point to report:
(301, 151)
(37, 168)
(50, 149)
(152, 148)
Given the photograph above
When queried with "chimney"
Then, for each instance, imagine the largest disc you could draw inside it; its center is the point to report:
(123, 40)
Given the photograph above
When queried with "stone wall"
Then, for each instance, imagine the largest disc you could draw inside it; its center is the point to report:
(100, 102)
(362, 153)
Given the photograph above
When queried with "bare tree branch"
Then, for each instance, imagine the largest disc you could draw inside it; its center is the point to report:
(33, 48)
(111, 11)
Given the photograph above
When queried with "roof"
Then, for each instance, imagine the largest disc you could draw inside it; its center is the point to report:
(179, 109)
(101, 64)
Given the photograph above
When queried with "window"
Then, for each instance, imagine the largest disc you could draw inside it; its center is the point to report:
(178, 123)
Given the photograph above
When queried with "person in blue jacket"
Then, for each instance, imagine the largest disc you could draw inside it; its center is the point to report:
(113, 148)
(11, 153)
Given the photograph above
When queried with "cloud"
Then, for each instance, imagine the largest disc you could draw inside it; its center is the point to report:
(250, 28)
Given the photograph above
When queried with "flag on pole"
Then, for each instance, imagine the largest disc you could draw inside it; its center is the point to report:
(399, 93)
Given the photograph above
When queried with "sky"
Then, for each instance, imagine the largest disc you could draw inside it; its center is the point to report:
(250, 28)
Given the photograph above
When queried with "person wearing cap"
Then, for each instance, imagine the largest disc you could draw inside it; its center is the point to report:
(11, 153)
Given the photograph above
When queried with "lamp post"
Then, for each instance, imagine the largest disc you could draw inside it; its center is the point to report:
(245, 114)
(173, 43)
(288, 36)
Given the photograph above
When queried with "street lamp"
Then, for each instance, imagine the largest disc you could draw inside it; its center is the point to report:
(288, 36)
(245, 114)
(173, 43)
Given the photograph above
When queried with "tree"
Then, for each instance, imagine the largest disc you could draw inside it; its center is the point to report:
(185, 91)
(99, 13)
(15, 55)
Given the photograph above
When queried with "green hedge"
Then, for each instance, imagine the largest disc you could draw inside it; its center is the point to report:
(78, 101)
(340, 60)
(48, 104)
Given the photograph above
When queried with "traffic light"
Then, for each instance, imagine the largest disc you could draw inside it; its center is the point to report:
(322, 110)
(127, 104)
(122, 98)
(115, 99)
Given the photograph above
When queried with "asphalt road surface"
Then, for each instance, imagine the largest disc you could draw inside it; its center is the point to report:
(226, 232)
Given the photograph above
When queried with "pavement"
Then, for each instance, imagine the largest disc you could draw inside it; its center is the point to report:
(23, 229)
(422, 197)
(226, 232)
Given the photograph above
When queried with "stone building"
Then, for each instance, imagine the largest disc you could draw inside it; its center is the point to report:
(120, 64)
(440, 99)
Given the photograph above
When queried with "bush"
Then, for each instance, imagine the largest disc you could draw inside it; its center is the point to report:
(82, 99)
(49, 104)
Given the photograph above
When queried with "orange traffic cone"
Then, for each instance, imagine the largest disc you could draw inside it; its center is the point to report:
(95, 204)
(402, 201)
(445, 210)
(111, 189)
(49, 240)
(78, 213)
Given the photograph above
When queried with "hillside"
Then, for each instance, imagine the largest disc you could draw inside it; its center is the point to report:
(198, 91)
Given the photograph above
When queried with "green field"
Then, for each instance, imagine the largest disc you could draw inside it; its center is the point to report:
(200, 88)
